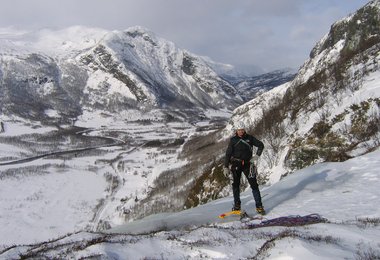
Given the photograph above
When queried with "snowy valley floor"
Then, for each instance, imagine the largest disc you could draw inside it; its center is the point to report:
(345, 194)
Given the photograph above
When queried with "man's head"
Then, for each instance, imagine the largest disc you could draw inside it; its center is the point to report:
(240, 129)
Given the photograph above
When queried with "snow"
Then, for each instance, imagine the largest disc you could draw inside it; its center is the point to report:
(109, 86)
(315, 64)
(75, 187)
(146, 69)
(340, 192)
(362, 86)
(252, 111)
(45, 198)
(60, 43)
(352, 184)
(66, 199)
(344, 193)
(17, 126)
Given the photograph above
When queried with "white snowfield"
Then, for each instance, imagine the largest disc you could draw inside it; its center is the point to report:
(346, 194)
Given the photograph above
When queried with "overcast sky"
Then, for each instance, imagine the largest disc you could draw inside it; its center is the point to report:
(270, 34)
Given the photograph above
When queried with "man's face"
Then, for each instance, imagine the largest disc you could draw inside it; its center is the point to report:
(240, 132)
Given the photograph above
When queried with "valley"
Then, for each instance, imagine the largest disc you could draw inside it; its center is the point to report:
(108, 170)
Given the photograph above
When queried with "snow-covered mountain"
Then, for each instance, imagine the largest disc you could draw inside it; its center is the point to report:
(64, 73)
(130, 98)
(117, 162)
(330, 111)
(250, 87)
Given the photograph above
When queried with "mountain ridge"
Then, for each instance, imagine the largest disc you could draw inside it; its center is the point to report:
(148, 71)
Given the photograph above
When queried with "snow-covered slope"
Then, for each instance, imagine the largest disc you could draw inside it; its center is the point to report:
(345, 194)
(340, 187)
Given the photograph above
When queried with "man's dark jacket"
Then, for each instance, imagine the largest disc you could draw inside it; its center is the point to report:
(241, 148)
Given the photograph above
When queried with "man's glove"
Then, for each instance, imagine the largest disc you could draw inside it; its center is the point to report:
(226, 172)
(254, 160)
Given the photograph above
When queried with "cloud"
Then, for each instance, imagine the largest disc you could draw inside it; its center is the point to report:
(271, 34)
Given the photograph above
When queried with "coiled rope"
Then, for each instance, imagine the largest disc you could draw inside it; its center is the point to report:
(289, 221)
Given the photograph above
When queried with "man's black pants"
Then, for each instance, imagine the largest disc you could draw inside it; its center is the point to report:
(237, 168)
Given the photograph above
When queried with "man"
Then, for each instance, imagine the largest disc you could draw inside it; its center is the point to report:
(239, 156)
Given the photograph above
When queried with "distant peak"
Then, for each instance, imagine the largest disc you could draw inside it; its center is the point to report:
(138, 31)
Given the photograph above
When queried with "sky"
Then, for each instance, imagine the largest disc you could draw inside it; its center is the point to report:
(269, 34)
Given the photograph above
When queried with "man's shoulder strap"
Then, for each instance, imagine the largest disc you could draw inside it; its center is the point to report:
(244, 142)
